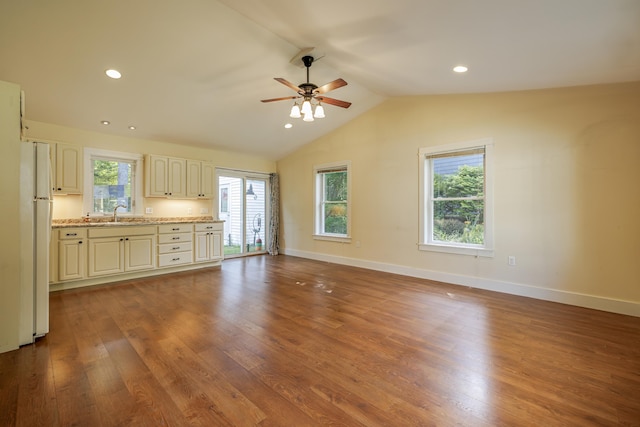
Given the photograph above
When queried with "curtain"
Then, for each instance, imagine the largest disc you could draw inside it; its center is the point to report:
(274, 225)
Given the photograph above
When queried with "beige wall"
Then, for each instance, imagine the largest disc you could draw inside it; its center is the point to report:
(71, 206)
(567, 197)
(10, 230)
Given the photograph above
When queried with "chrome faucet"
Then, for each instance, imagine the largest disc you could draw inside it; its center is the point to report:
(115, 211)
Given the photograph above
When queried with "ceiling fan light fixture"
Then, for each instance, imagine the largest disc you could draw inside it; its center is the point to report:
(309, 97)
(306, 107)
(295, 112)
(308, 117)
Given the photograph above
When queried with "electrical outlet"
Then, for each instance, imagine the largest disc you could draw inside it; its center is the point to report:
(148, 210)
(189, 211)
(204, 210)
(512, 260)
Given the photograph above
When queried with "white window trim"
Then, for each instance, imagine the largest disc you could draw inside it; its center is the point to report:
(317, 216)
(138, 201)
(426, 217)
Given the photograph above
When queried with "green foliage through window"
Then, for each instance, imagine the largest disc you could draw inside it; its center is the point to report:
(112, 185)
(334, 202)
(458, 199)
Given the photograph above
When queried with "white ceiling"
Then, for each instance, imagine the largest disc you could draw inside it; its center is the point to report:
(195, 70)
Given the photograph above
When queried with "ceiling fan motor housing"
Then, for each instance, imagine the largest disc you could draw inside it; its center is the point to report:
(307, 60)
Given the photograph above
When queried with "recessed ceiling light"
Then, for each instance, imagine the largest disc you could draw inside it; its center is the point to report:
(460, 69)
(288, 126)
(105, 122)
(114, 74)
(132, 128)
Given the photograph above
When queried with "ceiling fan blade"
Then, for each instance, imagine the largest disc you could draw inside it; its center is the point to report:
(331, 86)
(287, 84)
(336, 102)
(279, 99)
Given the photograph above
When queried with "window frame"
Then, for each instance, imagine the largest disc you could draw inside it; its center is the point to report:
(137, 171)
(426, 242)
(318, 172)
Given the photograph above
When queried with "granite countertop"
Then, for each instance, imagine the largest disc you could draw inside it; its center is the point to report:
(125, 221)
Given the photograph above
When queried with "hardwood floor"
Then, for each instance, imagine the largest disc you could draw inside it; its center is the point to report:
(284, 341)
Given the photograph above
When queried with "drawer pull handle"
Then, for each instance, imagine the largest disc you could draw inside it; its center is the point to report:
(175, 238)
(175, 229)
(175, 248)
(175, 259)
(72, 234)
(209, 228)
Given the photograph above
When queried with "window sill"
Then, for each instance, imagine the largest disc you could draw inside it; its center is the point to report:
(332, 238)
(477, 252)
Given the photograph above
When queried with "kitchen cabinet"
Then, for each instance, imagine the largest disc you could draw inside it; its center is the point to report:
(72, 250)
(114, 250)
(175, 244)
(200, 176)
(91, 254)
(208, 242)
(66, 169)
(165, 177)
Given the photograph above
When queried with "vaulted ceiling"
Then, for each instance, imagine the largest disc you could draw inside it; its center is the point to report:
(195, 70)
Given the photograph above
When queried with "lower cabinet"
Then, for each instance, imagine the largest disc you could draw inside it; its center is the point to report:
(72, 253)
(114, 250)
(93, 253)
(208, 242)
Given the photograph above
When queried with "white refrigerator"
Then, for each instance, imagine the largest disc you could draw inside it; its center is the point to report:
(36, 206)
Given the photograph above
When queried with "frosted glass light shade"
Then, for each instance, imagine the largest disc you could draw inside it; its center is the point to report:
(319, 113)
(306, 107)
(308, 117)
(295, 112)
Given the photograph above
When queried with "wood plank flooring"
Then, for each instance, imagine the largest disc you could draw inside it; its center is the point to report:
(284, 341)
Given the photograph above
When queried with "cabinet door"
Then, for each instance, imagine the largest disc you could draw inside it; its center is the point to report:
(139, 253)
(201, 246)
(106, 256)
(193, 178)
(217, 248)
(71, 259)
(68, 169)
(177, 178)
(156, 176)
(207, 174)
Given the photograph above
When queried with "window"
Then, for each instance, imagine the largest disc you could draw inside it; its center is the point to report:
(456, 198)
(332, 216)
(112, 179)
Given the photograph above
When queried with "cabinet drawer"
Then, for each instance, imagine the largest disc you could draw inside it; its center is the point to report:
(215, 226)
(175, 238)
(72, 233)
(165, 260)
(175, 228)
(168, 248)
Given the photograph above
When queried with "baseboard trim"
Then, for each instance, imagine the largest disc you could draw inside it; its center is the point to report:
(546, 294)
(114, 278)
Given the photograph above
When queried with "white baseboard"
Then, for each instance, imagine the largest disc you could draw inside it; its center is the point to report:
(572, 298)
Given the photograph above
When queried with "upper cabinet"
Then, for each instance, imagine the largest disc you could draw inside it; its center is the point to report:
(165, 177)
(200, 179)
(66, 165)
(178, 178)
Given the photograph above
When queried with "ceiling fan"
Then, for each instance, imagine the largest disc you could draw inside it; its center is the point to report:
(310, 93)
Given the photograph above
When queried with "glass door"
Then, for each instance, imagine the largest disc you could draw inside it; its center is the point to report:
(242, 205)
